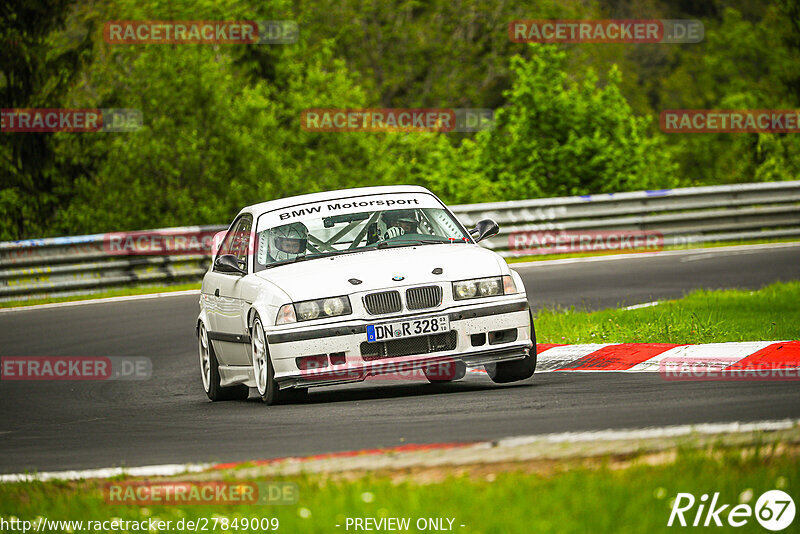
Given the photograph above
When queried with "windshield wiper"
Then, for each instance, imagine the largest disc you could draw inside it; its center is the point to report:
(411, 242)
(381, 245)
(307, 257)
(286, 262)
(334, 253)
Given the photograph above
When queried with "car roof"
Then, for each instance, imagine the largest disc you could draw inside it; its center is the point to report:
(270, 205)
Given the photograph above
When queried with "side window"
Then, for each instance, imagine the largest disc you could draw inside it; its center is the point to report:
(241, 240)
(225, 247)
(237, 240)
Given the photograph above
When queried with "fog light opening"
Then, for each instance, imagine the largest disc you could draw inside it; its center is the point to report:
(478, 339)
(502, 336)
(309, 363)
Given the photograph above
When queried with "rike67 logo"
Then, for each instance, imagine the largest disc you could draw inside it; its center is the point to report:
(774, 510)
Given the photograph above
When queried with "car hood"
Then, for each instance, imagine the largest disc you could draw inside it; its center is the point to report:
(326, 277)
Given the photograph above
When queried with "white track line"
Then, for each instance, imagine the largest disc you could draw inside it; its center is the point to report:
(638, 255)
(643, 305)
(516, 441)
(106, 472)
(651, 433)
(103, 300)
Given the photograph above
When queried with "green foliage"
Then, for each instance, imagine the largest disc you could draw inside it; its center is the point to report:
(743, 64)
(557, 136)
(415, 53)
(222, 122)
(37, 64)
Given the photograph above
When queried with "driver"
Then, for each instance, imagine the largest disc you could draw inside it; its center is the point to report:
(400, 222)
(286, 242)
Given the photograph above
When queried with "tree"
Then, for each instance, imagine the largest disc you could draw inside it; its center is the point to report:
(742, 64)
(558, 136)
(38, 63)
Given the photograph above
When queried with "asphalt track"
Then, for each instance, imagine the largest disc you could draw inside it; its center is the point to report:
(50, 426)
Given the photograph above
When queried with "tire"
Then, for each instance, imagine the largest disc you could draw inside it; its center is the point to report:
(209, 372)
(267, 387)
(505, 372)
(456, 372)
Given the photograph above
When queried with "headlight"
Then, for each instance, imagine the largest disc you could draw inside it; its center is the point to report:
(483, 287)
(464, 290)
(490, 287)
(333, 307)
(308, 310)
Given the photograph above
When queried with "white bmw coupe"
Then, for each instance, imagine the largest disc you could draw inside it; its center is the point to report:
(334, 287)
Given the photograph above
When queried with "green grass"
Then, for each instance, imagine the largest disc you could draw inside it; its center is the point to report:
(771, 313)
(598, 496)
(122, 292)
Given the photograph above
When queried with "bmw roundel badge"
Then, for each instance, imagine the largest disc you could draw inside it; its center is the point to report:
(398, 278)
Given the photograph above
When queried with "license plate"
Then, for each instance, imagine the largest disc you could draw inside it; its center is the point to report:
(410, 328)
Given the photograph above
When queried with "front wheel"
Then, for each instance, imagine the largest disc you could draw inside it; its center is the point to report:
(502, 373)
(209, 371)
(267, 386)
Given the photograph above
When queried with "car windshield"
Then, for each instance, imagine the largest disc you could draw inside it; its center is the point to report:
(315, 236)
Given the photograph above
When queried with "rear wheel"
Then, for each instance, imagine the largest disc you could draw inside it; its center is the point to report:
(267, 386)
(502, 373)
(209, 370)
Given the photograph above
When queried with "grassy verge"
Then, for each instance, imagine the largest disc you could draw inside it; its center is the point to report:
(122, 292)
(714, 244)
(603, 495)
(771, 313)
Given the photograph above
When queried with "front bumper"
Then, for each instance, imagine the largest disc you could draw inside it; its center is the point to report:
(403, 367)
(347, 337)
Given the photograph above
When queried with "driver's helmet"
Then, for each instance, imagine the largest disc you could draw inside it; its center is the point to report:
(288, 241)
(405, 219)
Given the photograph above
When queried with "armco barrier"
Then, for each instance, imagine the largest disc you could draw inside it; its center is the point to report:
(683, 216)
(66, 266)
(76, 265)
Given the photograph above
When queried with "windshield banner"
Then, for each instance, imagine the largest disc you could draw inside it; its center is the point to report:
(345, 206)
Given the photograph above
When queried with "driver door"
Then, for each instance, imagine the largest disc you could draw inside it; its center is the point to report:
(229, 335)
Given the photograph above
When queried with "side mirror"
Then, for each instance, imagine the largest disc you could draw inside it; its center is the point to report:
(228, 263)
(485, 228)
